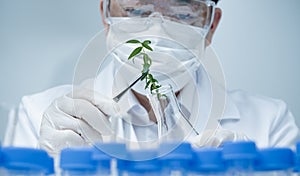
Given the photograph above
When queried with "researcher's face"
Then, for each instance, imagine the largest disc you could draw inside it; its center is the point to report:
(117, 11)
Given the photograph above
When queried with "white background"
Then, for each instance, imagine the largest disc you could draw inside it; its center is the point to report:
(40, 41)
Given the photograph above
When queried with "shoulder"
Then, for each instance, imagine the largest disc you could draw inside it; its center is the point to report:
(32, 107)
(44, 98)
(274, 124)
(253, 103)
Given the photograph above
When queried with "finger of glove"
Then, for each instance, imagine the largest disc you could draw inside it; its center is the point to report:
(105, 104)
(86, 90)
(86, 112)
(218, 136)
(53, 140)
(60, 120)
(206, 138)
(225, 135)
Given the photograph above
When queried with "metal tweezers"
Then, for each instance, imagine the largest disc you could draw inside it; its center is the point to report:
(119, 96)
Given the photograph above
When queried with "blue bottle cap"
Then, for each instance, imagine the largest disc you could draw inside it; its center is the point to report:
(239, 150)
(111, 150)
(77, 159)
(50, 166)
(208, 160)
(27, 159)
(298, 146)
(182, 151)
(141, 155)
(121, 165)
(240, 155)
(297, 158)
(103, 153)
(1, 157)
(275, 159)
(298, 149)
(176, 155)
(141, 161)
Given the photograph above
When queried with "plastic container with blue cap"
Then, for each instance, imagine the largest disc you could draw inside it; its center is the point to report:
(140, 163)
(175, 158)
(77, 161)
(1, 162)
(240, 157)
(275, 161)
(26, 161)
(106, 154)
(207, 161)
(297, 159)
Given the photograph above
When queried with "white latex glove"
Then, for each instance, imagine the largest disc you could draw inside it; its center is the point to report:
(77, 118)
(215, 138)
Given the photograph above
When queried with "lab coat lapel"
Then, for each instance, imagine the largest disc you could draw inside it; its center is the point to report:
(231, 111)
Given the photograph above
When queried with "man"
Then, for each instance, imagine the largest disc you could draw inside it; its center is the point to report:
(59, 118)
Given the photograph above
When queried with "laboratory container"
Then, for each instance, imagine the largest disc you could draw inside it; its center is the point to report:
(274, 162)
(297, 159)
(239, 157)
(106, 155)
(1, 161)
(140, 163)
(78, 161)
(18, 161)
(175, 158)
(207, 161)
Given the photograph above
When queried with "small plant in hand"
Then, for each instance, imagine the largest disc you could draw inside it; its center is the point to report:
(140, 50)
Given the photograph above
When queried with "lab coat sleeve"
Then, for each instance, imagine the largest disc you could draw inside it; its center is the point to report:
(284, 132)
(25, 134)
(30, 113)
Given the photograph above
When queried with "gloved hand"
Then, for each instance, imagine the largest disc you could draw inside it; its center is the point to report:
(78, 118)
(215, 138)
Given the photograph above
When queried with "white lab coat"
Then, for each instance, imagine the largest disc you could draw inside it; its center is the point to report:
(265, 120)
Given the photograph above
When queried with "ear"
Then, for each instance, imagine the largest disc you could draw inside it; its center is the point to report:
(102, 15)
(215, 23)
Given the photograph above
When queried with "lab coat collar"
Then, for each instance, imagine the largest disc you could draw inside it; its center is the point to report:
(231, 111)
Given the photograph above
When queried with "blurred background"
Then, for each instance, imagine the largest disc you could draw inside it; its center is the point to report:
(41, 40)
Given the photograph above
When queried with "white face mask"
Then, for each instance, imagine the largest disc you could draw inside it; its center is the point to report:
(178, 49)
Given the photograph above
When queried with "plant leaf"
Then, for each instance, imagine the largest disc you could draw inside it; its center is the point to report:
(145, 45)
(135, 52)
(147, 84)
(150, 76)
(133, 41)
(154, 80)
(152, 87)
(147, 42)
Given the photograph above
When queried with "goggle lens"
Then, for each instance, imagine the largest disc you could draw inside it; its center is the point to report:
(198, 13)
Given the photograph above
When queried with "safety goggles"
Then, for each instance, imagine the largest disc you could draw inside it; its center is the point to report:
(198, 13)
